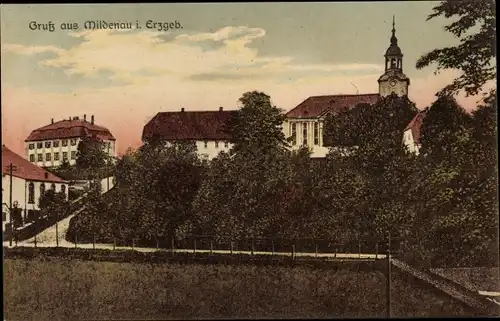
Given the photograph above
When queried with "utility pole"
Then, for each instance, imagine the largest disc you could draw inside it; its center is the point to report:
(11, 168)
(388, 289)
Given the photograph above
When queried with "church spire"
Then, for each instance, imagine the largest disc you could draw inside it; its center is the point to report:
(394, 40)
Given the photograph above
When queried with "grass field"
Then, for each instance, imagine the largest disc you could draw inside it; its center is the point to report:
(53, 289)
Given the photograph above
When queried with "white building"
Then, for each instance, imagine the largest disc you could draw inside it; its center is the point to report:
(304, 123)
(411, 135)
(207, 129)
(29, 182)
(50, 145)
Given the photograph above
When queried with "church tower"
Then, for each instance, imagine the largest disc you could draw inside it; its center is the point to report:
(393, 80)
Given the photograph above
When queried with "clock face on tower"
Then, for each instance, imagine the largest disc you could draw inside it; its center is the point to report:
(393, 82)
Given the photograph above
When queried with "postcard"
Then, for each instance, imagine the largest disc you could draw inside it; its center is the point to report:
(249, 160)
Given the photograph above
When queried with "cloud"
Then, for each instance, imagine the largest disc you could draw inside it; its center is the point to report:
(127, 54)
(25, 50)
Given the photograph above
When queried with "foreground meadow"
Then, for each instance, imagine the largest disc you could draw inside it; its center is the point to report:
(43, 289)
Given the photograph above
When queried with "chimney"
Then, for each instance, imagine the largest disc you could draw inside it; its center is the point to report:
(84, 117)
(220, 108)
(52, 121)
(182, 109)
(92, 119)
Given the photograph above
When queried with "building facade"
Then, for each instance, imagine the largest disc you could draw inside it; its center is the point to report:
(208, 130)
(304, 124)
(51, 145)
(29, 182)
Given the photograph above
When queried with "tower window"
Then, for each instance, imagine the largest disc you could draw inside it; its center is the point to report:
(294, 133)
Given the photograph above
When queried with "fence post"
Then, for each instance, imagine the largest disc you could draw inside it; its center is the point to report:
(157, 244)
(272, 244)
(211, 247)
(76, 241)
(293, 252)
(252, 246)
(172, 246)
(316, 250)
(388, 290)
(359, 248)
(231, 247)
(93, 241)
(114, 243)
(376, 251)
(194, 246)
(335, 253)
(133, 243)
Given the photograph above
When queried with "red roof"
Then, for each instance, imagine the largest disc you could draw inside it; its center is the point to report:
(69, 129)
(316, 106)
(25, 169)
(190, 125)
(415, 125)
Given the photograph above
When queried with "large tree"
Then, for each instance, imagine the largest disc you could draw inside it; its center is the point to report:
(91, 153)
(257, 127)
(475, 27)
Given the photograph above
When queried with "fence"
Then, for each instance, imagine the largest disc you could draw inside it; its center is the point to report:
(200, 243)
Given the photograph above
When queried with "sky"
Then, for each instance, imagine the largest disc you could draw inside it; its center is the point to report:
(201, 57)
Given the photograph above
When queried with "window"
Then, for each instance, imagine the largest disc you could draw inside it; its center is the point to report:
(73, 142)
(65, 155)
(48, 157)
(32, 158)
(316, 134)
(64, 142)
(304, 134)
(63, 188)
(53, 187)
(56, 156)
(40, 157)
(47, 144)
(73, 155)
(216, 144)
(31, 146)
(4, 216)
(31, 193)
(226, 144)
(294, 133)
(39, 145)
(55, 143)
(42, 189)
(206, 144)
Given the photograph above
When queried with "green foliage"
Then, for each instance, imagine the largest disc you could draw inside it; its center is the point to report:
(257, 128)
(53, 203)
(91, 153)
(475, 26)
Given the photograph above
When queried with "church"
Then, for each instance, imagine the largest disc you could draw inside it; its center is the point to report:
(304, 123)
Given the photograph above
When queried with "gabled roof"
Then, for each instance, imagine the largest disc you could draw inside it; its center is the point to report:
(69, 129)
(190, 125)
(316, 106)
(25, 169)
(415, 125)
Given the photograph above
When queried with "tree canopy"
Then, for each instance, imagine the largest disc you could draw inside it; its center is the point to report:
(475, 27)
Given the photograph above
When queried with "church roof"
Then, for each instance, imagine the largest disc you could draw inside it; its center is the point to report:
(25, 169)
(316, 106)
(190, 125)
